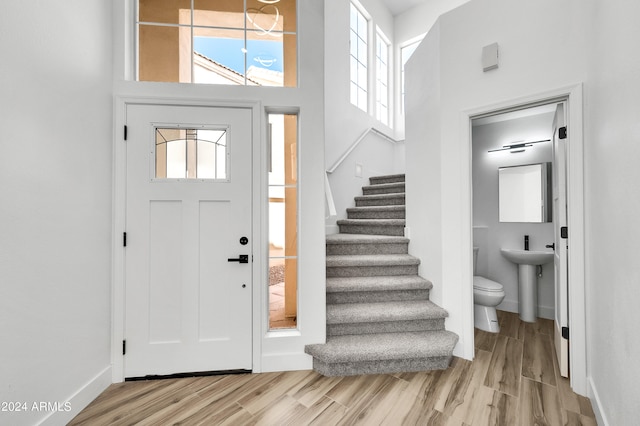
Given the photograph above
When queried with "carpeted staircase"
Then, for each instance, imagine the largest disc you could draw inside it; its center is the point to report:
(379, 317)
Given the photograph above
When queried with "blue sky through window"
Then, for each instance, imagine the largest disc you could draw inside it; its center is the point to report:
(228, 52)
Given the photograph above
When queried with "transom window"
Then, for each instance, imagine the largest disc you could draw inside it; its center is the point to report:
(245, 42)
(358, 51)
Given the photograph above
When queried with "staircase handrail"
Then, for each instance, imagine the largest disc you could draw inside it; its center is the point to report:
(327, 186)
(329, 196)
(355, 145)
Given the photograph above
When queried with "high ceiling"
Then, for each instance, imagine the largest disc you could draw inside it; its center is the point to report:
(399, 6)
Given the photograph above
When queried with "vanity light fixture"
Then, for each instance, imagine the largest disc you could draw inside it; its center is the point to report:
(518, 146)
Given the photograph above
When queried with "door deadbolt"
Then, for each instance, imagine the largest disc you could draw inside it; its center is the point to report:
(244, 241)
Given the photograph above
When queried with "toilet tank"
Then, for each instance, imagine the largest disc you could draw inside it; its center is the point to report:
(475, 259)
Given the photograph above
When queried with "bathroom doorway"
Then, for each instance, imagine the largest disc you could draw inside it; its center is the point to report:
(508, 148)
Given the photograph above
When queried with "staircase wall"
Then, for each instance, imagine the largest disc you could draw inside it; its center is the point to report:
(375, 156)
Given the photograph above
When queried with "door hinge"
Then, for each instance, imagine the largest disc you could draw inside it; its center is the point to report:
(564, 232)
(565, 333)
(562, 132)
(125, 132)
(124, 239)
(124, 347)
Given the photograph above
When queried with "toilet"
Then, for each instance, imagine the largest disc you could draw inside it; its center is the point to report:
(487, 295)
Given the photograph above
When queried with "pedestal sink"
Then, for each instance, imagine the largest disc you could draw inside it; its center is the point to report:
(527, 261)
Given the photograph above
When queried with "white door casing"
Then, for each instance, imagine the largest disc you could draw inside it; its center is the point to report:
(572, 96)
(187, 308)
(560, 244)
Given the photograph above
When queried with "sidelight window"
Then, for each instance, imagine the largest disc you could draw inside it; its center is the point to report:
(283, 221)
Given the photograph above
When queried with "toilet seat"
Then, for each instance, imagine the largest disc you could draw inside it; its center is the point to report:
(484, 284)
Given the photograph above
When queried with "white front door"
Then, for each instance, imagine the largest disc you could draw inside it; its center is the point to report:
(188, 220)
(560, 243)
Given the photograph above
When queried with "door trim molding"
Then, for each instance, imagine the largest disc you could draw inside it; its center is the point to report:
(573, 95)
(119, 220)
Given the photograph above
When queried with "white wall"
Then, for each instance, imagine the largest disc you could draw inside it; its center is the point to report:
(55, 208)
(447, 75)
(345, 123)
(409, 26)
(612, 206)
(595, 43)
(490, 235)
(418, 20)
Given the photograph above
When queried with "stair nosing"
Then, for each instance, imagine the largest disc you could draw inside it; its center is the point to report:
(380, 196)
(338, 285)
(383, 185)
(388, 176)
(349, 260)
(364, 239)
(363, 313)
(393, 207)
(354, 348)
(392, 222)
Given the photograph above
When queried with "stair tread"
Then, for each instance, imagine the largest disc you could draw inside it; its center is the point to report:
(397, 222)
(384, 185)
(345, 260)
(397, 207)
(364, 238)
(376, 283)
(384, 311)
(398, 175)
(384, 346)
(380, 196)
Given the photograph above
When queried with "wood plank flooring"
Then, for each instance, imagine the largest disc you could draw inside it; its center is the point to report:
(513, 380)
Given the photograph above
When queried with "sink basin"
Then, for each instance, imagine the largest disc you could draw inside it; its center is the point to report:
(527, 257)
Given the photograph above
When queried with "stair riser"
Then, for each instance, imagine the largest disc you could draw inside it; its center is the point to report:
(360, 214)
(379, 189)
(363, 249)
(391, 230)
(371, 271)
(385, 327)
(381, 366)
(395, 201)
(386, 179)
(376, 296)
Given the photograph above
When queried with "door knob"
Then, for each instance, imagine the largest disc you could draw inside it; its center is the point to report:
(551, 246)
(243, 258)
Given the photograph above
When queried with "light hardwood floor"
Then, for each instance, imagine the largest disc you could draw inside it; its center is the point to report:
(512, 381)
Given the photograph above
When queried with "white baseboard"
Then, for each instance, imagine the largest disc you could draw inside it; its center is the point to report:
(592, 393)
(80, 399)
(286, 362)
(331, 229)
(546, 312)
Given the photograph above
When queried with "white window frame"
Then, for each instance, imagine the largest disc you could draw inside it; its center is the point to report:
(382, 77)
(360, 87)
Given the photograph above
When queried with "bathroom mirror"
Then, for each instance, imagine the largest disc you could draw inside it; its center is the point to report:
(525, 193)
